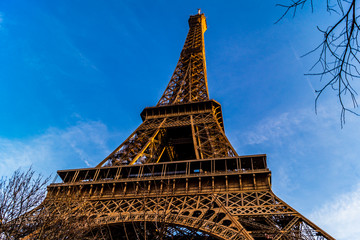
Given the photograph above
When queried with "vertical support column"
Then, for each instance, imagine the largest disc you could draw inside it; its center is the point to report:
(124, 191)
(194, 137)
(199, 190)
(113, 189)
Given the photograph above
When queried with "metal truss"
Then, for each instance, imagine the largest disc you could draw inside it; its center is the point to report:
(222, 198)
(177, 176)
(240, 215)
(189, 83)
(151, 140)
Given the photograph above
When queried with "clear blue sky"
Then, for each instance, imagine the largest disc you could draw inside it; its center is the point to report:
(75, 76)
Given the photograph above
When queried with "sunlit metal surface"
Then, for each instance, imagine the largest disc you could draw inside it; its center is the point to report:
(178, 176)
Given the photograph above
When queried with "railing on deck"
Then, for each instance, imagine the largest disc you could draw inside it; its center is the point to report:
(188, 168)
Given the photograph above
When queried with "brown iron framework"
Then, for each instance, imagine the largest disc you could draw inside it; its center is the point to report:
(178, 175)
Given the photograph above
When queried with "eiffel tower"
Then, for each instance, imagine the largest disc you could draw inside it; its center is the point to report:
(177, 176)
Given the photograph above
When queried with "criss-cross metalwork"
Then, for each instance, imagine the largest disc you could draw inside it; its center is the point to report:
(177, 175)
(189, 81)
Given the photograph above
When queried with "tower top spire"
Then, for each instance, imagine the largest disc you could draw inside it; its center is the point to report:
(189, 80)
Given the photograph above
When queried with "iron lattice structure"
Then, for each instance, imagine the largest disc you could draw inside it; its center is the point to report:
(178, 177)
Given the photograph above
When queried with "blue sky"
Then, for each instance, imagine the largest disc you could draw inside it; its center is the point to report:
(75, 76)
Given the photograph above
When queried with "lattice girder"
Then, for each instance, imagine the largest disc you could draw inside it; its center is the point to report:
(227, 213)
(151, 140)
(211, 213)
(189, 80)
(179, 173)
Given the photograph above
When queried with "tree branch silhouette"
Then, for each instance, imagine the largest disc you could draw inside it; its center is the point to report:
(338, 52)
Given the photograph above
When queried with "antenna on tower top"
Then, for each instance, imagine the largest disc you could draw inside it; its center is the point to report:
(199, 11)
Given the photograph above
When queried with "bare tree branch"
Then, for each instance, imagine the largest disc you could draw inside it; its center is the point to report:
(338, 53)
(19, 194)
(26, 214)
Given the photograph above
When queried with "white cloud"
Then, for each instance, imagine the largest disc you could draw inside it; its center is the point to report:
(300, 122)
(81, 145)
(270, 128)
(275, 128)
(341, 215)
(312, 160)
